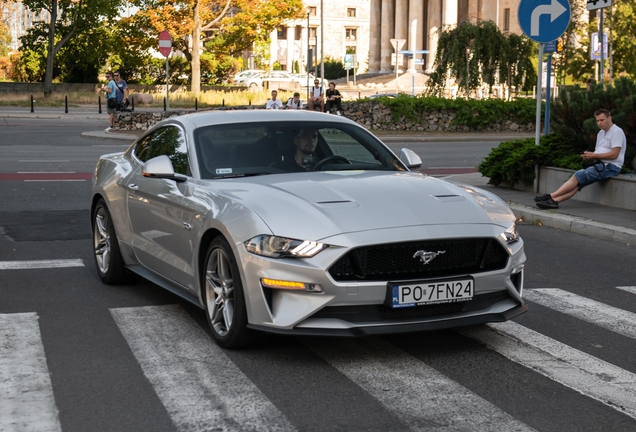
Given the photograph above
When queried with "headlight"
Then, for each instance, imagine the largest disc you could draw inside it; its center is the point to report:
(510, 235)
(276, 247)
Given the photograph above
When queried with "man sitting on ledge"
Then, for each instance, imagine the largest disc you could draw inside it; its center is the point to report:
(610, 149)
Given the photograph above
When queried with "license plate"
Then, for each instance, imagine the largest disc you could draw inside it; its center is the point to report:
(431, 292)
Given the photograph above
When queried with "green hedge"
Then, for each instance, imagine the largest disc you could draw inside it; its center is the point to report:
(476, 114)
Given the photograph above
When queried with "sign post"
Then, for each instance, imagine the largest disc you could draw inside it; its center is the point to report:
(542, 21)
(165, 48)
(397, 46)
(600, 4)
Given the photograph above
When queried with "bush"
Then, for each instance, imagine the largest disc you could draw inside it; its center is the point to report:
(334, 69)
(513, 161)
(476, 114)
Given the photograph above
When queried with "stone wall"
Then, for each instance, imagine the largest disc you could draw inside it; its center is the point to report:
(371, 115)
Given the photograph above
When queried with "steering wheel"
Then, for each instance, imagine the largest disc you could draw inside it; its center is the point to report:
(330, 159)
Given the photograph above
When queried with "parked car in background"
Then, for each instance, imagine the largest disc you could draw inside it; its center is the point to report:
(302, 79)
(280, 78)
(242, 76)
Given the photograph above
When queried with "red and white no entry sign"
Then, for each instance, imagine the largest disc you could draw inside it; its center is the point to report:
(165, 43)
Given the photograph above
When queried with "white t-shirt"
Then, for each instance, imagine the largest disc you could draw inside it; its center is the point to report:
(293, 105)
(316, 91)
(606, 141)
(274, 104)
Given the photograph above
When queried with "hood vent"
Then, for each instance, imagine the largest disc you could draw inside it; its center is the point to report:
(337, 204)
(449, 198)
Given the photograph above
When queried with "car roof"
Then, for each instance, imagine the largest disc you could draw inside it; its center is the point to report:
(206, 118)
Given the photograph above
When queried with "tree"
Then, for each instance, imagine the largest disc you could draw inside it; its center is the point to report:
(473, 54)
(623, 36)
(5, 39)
(234, 25)
(69, 18)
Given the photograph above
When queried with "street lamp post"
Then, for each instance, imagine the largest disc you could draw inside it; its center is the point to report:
(322, 42)
(308, 57)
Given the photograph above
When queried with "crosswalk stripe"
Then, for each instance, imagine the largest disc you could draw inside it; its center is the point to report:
(629, 289)
(608, 317)
(27, 403)
(419, 395)
(40, 264)
(197, 383)
(582, 372)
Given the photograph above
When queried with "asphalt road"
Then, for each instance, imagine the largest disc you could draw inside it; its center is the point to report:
(136, 358)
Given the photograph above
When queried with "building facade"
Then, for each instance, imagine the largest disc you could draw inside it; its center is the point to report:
(418, 22)
(345, 30)
(20, 19)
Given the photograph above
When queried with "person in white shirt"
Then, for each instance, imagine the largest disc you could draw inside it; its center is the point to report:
(274, 103)
(608, 158)
(295, 102)
(316, 95)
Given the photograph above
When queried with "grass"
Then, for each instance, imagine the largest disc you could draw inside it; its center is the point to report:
(211, 98)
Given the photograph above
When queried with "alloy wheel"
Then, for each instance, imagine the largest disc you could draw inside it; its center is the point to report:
(219, 287)
(101, 240)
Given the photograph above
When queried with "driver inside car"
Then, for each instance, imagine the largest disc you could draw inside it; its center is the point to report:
(303, 160)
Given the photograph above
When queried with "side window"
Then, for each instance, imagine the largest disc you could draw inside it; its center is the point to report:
(167, 141)
(343, 144)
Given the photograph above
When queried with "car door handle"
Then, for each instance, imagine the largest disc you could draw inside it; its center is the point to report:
(133, 187)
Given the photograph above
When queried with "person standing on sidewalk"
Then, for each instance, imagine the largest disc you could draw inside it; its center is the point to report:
(122, 91)
(610, 150)
(111, 100)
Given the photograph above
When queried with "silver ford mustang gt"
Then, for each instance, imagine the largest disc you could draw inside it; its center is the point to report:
(301, 223)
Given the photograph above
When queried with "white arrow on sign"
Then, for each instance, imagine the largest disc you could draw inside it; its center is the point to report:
(555, 10)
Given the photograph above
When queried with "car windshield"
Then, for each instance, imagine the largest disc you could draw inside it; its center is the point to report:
(238, 150)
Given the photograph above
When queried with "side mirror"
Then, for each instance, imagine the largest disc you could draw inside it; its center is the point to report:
(410, 158)
(161, 167)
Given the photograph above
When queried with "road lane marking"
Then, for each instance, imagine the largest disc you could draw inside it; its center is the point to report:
(608, 317)
(198, 384)
(60, 180)
(27, 402)
(588, 375)
(629, 289)
(46, 172)
(41, 264)
(42, 161)
(419, 395)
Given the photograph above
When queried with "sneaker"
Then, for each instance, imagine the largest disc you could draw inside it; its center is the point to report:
(109, 129)
(541, 197)
(338, 112)
(548, 204)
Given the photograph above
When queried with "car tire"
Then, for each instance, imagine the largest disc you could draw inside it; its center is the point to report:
(108, 261)
(253, 86)
(224, 299)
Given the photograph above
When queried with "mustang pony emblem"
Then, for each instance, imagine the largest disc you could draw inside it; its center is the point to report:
(426, 256)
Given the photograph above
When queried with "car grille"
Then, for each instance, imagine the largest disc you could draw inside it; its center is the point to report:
(396, 261)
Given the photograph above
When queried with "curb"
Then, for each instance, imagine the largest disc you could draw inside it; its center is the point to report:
(575, 224)
(102, 135)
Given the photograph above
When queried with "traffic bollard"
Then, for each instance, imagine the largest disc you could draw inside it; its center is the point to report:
(66, 104)
(99, 104)
(32, 104)
(196, 104)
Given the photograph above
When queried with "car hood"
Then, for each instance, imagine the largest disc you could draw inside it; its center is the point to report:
(319, 205)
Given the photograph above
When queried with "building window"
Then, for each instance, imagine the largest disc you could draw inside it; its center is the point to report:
(351, 12)
(312, 33)
(350, 34)
(282, 32)
(506, 26)
(298, 33)
(312, 10)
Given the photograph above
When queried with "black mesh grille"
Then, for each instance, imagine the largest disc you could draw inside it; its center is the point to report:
(395, 261)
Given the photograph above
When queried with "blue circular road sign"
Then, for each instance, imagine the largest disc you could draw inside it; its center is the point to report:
(544, 20)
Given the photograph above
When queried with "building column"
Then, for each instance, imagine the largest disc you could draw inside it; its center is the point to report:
(449, 16)
(416, 30)
(386, 34)
(291, 35)
(374, 32)
(401, 27)
(434, 26)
